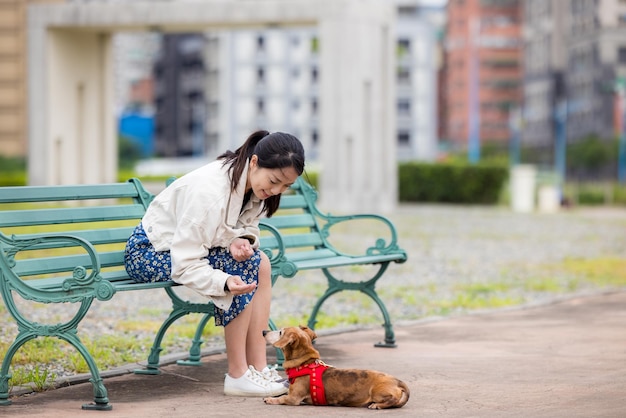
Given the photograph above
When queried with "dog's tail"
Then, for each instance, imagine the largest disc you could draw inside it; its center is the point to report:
(405, 394)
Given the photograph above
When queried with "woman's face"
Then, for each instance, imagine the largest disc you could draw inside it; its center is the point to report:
(266, 182)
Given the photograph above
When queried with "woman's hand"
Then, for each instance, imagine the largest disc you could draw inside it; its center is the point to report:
(236, 286)
(241, 249)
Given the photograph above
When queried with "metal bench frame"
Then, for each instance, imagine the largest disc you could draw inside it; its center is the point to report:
(99, 274)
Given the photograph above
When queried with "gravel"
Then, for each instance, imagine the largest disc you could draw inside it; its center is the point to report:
(450, 249)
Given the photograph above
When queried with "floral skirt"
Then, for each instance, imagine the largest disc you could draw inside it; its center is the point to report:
(145, 264)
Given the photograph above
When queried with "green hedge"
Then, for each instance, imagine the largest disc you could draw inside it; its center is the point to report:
(451, 182)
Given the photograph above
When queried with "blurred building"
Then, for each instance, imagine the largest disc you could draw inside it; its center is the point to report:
(417, 93)
(14, 77)
(180, 103)
(269, 78)
(211, 91)
(483, 70)
(545, 65)
(575, 53)
(134, 55)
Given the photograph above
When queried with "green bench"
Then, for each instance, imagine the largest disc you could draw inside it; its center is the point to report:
(306, 244)
(67, 246)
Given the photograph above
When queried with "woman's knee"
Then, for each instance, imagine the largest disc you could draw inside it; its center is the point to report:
(265, 269)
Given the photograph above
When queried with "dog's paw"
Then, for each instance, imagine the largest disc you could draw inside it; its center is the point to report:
(270, 401)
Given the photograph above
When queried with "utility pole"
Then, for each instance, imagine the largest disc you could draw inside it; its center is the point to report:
(473, 132)
(515, 125)
(560, 143)
(620, 90)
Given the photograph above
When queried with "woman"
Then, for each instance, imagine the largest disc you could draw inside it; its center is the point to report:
(202, 232)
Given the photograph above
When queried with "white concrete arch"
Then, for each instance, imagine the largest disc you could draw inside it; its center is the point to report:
(72, 136)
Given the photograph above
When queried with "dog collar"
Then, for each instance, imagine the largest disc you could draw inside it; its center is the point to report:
(315, 371)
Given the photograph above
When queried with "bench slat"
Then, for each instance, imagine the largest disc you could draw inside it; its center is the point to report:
(293, 241)
(291, 221)
(302, 240)
(60, 264)
(94, 236)
(293, 201)
(297, 256)
(70, 215)
(119, 278)
(339, 261)
(61, 193)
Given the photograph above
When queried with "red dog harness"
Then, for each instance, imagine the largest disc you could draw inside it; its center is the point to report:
(315, 371)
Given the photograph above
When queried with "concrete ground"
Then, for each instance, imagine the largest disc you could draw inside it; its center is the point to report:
(566, 359)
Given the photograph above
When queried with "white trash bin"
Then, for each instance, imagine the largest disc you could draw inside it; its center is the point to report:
(523, 178)
(549, 199)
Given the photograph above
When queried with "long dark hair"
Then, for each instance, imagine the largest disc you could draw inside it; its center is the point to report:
(273, 150)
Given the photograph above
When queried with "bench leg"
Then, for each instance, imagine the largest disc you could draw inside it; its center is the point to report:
(367, 287)
(195, 355)
(180, 308)
(66, 331)
(20, 340)
(390, 337)
(101, 399)
(155, 352)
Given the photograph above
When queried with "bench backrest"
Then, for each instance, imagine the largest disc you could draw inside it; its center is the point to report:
(33, 219)
(298, 222)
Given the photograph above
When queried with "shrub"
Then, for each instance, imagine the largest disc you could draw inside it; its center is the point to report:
(12, 171)
(451, 182)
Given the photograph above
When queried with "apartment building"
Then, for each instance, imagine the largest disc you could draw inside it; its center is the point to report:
(575, 55)
(13, 76)
(545, 66)
(180, 104)
(269, 78)
(596, 34)
(483, 71)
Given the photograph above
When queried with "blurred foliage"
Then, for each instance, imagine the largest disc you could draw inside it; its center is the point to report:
(128, 153)
(590, 159)
(595, 193)
(12, 171)
(452, 182)
(591, 155)
(312, 177)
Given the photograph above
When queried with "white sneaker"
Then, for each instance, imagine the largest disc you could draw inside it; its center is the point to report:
(252, 383)
(272, 375)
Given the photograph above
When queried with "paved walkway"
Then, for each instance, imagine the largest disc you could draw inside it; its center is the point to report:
(566, 359)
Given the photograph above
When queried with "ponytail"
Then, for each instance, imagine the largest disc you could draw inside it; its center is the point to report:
(276, 150)
(239, 158)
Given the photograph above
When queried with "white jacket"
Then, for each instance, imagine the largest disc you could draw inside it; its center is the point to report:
(197, 212)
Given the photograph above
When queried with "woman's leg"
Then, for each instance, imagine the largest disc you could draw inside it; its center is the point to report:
(243, 335)
(256, 347)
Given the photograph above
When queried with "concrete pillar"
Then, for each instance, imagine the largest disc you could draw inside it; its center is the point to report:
(75, 140)
(358, 144)
(72, 138)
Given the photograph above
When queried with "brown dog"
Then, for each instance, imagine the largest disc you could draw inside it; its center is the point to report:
(313, 382)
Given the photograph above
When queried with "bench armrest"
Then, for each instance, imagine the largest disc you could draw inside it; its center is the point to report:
(281, 266)
(381, 246)
(80, 284)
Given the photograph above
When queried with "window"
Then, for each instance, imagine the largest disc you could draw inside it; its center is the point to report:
(404, 137)
(621, 55)
(314, 74)
(404, 107)
(404, 76)
(260, 75)
(404, 47)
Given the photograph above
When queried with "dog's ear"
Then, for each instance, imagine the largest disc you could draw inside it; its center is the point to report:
(312, 335)
(286, 339)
